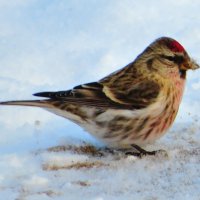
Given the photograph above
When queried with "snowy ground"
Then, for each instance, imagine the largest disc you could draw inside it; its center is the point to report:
(75, 171)
(55, 45)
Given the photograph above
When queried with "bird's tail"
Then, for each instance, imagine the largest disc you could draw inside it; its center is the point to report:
(35, 103)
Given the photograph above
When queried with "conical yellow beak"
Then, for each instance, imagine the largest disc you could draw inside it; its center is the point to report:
(189, 65)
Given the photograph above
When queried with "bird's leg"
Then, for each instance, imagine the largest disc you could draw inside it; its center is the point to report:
(141, 152)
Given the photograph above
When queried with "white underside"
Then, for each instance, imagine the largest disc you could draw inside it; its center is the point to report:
(90, 126)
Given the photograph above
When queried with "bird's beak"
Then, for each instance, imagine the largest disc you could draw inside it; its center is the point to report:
(189, 65)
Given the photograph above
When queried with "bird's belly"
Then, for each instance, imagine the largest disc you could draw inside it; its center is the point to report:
(121, 128)
(127, 131)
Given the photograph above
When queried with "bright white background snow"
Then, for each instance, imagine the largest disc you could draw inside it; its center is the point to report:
(55, 45)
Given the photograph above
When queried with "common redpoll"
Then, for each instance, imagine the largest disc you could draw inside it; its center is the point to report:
(131, 107)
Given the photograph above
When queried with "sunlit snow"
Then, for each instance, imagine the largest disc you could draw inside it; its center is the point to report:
(55, 45)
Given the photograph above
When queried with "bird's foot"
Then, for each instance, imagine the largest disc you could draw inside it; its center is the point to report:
(142, 152)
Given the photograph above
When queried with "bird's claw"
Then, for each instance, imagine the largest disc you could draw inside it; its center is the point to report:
(142, 152)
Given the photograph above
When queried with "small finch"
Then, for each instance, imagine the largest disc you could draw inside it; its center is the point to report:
(131, 107)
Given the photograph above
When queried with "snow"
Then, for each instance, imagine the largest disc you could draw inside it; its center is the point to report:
(55, 45)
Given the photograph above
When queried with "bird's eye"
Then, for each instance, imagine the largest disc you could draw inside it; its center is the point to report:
(176, 59)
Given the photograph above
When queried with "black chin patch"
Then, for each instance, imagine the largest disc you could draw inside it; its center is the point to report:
(182, 73)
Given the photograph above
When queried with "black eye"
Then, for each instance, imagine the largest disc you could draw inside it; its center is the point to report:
(176, 59)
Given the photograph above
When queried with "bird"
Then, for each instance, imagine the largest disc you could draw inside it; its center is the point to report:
(131, 107)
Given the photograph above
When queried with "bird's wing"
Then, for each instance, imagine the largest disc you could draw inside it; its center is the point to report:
(99, 94)
(138, 95)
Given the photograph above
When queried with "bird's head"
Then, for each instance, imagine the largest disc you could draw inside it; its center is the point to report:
(167, 56)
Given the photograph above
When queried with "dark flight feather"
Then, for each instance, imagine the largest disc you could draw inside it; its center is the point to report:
(93, 94)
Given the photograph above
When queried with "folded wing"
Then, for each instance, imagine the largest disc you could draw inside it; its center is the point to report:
(98, 94)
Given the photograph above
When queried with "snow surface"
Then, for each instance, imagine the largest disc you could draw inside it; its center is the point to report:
(55, 45)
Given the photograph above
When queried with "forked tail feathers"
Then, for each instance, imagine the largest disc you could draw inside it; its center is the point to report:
(35, 103)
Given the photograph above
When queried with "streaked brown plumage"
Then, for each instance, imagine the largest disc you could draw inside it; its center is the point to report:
(133, 106)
